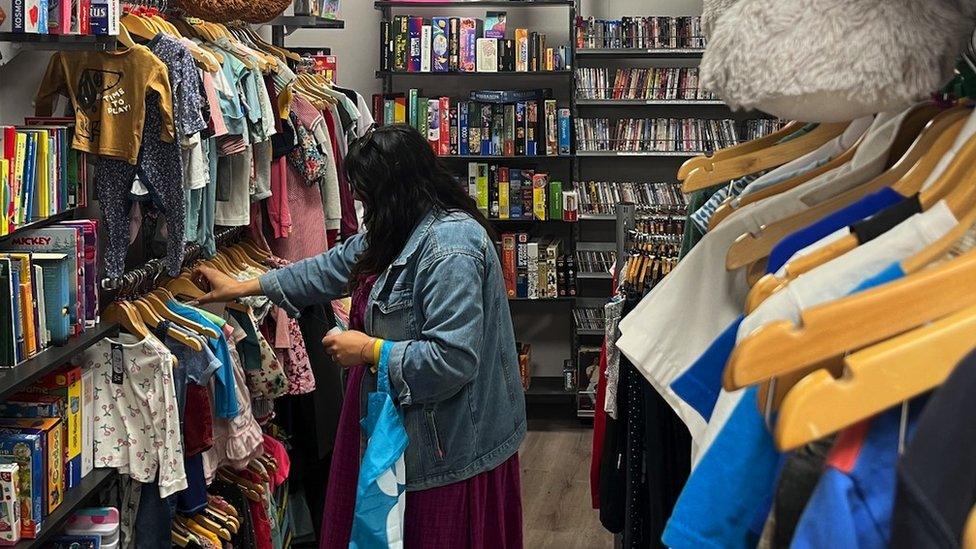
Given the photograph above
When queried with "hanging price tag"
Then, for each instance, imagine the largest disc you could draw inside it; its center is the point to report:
(117, 363)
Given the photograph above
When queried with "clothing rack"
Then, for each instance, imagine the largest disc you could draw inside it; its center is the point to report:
(146, 276)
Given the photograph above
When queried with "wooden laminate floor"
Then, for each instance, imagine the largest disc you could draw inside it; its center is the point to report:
(555, 460)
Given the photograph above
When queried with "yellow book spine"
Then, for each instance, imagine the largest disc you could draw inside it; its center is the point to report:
(503, 200)
(43, 191)
(20, 161)
(4, 196)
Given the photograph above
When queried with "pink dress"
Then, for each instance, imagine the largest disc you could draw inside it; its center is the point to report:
(482, 512)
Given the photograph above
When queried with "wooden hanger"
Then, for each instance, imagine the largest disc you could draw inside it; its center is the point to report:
(153, 320)
(125, 38)
(877, 378)
(706, 161)
(828, 331)
(124, 315)
(183, 286)
(158, 305)
(253, 250)
(776, 155)
(905, 177)
(751, 247)
(138, 26)
(204, 522)
(969, 531)
(247, 486)
(910, 184)
(910, 128)
(731, 205)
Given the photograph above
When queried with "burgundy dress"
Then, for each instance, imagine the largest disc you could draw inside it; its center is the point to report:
(482, 512)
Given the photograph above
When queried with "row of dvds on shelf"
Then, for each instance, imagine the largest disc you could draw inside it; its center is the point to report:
(656, 83)
(654, 134)
(667, 134)
(595, 261)
(601, 197)
(654, 32)
(589, 318)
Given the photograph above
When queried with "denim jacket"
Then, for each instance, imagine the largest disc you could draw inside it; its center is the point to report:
(454, 364)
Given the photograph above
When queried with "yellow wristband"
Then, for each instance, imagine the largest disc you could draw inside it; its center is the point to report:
(377, 346)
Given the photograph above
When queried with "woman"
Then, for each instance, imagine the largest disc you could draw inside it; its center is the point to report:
(426, 277)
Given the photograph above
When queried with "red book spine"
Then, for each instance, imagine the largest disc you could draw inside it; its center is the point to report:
(508, 262)
(85, 19)
(378, 108)
(444, 143)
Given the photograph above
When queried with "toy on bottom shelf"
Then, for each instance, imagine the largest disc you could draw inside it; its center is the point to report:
(9, 503)
(101, 523)
(27, 451)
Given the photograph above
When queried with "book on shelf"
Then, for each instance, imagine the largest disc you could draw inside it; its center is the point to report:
(68, 239)
(465, 44)
(507, 193)
(487, 58)
(648, 84)
(601, 197)
(652, 32)
(531, 266)
(492, 128)
(426, 52)
(440, 44)
(40, 175)
(654, 134)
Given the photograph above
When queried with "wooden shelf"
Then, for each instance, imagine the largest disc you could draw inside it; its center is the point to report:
(65, 42)
(531, 74)
(74, 499)
(15, 378)
(472, 4)
(641, 53)
(545, 300)
(40, 223)
(594, 276)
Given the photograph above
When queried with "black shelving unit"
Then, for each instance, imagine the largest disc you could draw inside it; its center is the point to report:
(61, 42)
(654, 102)
(593, 287)
(650, 154)
(16, 378)
(479, 157)
(284, 25)
(73, 499)
(456, 74)
(472, 4)
(641, 53)
(499, 80)
(40, 223)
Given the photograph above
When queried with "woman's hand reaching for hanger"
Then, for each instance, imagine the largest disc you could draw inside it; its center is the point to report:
(224, 288)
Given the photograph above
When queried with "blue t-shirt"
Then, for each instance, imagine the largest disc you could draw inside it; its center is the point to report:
(863, 208)
(225, 388)
(853, 501)
(701, 384)
(728, 494)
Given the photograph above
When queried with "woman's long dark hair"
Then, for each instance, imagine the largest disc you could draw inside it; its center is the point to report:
(394, 172)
